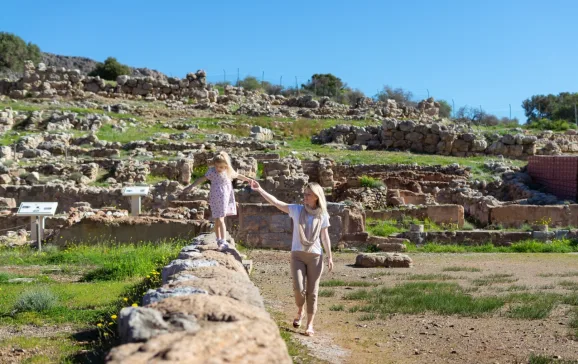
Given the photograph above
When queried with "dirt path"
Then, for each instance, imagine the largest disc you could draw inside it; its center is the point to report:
(344, 338)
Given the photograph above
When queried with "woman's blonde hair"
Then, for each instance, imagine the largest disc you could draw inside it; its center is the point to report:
(318, 191)
(223, 158)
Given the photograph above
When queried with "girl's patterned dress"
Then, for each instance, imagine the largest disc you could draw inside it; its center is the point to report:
(222, 196)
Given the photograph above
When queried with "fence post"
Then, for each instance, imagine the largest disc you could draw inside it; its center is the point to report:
(453, 108)
(224, 76)
(296, 87)
(510, 112)
(575, 114)
(237, 77)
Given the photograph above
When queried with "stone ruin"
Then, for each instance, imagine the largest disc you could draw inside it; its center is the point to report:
(206, 299)
(193, 92)
(446, 139)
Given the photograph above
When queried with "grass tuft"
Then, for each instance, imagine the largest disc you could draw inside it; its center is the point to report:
(461, 269)
(326, 293)
(36, 300)
(340, 283)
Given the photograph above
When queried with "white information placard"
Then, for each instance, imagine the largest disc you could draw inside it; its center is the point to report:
(37, 209)
(136, 191)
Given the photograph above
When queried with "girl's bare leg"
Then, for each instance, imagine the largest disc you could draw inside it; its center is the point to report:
(218, 228)
(222, 228)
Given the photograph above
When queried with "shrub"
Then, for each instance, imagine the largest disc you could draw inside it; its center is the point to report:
(110, 69)
(250, 83)
(35, 300)
(554, 125)
(370, 182)
(14, 51)
(324, 85)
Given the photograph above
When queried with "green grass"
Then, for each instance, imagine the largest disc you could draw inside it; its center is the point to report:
(421, 297)
(199, 172)
(114, 262)
(118, 275)
(142, 132)
(370, 182)
(569, 285)
(491, 279)
(53, 349)
(326, 293)
(388, 227)
(154, 179)
(336, 308)
(368, 317)
(340, 283)
(428, 277)
(461, 269)
(532, 306)
(531, 246)
(541, 359)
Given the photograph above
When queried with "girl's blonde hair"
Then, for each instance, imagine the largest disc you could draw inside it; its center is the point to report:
(318, 191)
(223, 158)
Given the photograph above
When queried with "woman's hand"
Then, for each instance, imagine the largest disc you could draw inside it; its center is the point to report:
(330, 263)
(255, 185)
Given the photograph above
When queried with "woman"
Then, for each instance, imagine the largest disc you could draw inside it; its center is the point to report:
(310, 223)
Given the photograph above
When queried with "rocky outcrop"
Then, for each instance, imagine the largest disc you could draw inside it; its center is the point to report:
(203, 313)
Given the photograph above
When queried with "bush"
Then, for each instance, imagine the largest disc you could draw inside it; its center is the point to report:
(324, 85)
(349, 96)
(250, 83)
(110, 69)
(35, 300)
(370, 182)
(14, 51)
(554, 125)
(445, 109)
(400, 95)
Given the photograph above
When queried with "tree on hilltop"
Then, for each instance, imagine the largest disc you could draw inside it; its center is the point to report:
(110, 69)
(14, 51)
(324, 85)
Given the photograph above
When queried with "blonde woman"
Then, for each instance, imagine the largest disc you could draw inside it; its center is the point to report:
(310, 223)
(222, 196)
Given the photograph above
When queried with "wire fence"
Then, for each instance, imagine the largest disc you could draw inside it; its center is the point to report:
(292, 84)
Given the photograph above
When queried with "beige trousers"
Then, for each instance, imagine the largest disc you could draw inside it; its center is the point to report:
(306, 269)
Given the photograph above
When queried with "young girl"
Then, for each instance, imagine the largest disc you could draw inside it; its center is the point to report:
(222, 196)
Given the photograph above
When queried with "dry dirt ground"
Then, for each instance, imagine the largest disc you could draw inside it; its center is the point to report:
(341, 337)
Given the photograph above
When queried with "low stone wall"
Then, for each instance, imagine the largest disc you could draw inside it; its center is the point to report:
(128, 230)
(439, 214)
(207, 310)
(513, 216)
(264, 226)
(498, 238)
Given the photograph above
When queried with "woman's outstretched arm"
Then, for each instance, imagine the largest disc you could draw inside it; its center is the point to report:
(270, 198)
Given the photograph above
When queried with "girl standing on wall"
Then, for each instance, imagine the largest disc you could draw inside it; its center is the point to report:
(222, 196)
(310, 223)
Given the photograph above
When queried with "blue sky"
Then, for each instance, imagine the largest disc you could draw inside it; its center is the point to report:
(489, 53)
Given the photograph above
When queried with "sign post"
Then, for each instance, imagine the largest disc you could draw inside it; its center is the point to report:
(135, 193)
(37, 212)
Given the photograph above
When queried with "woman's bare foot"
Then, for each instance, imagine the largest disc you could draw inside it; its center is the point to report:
(309, 331)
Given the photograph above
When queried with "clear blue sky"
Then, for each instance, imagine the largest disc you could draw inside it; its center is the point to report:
(489, 53)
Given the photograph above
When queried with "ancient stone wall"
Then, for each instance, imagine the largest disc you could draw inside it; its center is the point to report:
(207, 310)
(514, 216)
(432, 138)
(128, 230)
(482, 237)
(439, 214)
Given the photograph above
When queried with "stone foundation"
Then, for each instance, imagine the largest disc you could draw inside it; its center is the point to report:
(439, 214)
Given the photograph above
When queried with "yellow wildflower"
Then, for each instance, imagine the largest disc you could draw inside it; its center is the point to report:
(110, 323)
(125, 299)
(113, 317)
(134, 305)
(148, 276)
(99, 325)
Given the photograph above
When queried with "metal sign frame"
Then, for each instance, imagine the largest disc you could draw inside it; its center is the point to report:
(38, 211)
(135, 193)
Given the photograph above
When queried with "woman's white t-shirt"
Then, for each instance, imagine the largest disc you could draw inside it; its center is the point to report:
(294, 212)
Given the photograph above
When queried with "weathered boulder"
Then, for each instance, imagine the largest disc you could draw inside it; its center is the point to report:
(387, 260)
